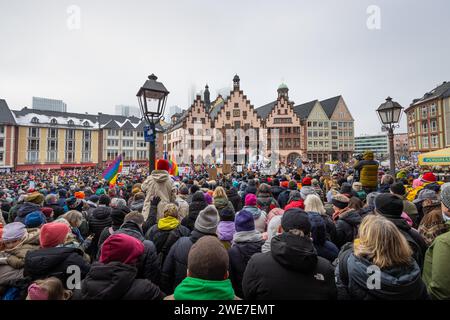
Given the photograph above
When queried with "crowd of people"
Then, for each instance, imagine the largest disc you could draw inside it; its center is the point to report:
(355, 233)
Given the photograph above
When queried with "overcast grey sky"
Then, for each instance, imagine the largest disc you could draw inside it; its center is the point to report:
(319, 48)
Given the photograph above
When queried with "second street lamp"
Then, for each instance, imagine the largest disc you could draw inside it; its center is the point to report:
(389, 113)
(152, 98)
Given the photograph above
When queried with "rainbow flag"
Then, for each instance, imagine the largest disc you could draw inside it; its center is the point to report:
(112, 172)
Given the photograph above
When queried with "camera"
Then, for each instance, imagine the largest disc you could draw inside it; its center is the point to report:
(358, 156)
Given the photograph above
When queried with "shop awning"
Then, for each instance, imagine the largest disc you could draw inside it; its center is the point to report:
(435, 158)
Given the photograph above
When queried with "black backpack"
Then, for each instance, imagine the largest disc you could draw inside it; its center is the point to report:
(164, 246)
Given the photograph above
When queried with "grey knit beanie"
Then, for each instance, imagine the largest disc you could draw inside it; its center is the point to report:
(445, 194)
(207, 220)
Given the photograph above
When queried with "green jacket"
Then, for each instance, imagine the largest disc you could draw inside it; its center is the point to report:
(198, 289)
(436, 273)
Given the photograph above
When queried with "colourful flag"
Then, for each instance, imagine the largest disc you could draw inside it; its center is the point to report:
(111, 173)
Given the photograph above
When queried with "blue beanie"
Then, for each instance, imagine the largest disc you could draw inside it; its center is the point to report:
(34, 219)
(235, 183)
(244, 221)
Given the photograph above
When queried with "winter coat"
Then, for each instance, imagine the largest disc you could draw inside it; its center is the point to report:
(235, 199)
(347, 226)
(251, 188)
(276, 191)
(396, 283)
(164, 237)
(415, 240)
(57, 209)
(384, 188)
(197, 205)
(245, 245)
(116, 281)
(175, 266)
(158, 184)
(48, 262)
(368, 172)
(324, 247)
(99, 220)
(259, 216)
(266, 202)
(24, 210)
(223, 203)
(435, 270)
(283, 198)
(148, 266)
(183, 207)
(290, 271)
(137, 205)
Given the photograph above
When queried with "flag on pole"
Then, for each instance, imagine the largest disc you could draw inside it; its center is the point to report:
(111, 173)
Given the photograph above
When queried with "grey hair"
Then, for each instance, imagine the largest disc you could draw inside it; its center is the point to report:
(117, 202)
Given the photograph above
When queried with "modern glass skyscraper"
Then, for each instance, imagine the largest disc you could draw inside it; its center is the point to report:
(49, 104)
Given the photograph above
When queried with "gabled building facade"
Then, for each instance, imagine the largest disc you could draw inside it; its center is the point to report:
(8, 135)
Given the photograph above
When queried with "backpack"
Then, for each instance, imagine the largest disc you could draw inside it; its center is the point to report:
(171, 238)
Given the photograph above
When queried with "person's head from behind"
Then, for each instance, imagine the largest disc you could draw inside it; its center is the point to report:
(135, 217)
(117, 202)
(219, 192)
(121, 248)
(48, 289)
(387, 179)
(139, 196)
(208, 260)
(74, 218)
(382, 243)
(355, 203)
(398, 189)
(340, 202)
(445, 201)
(170, 210)
(104, 200)
(295, 221)
(314, 204)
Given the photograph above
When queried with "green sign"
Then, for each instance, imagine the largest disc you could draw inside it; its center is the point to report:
(436, 159)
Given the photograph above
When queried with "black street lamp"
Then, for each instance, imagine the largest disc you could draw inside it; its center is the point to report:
(389, 113)
(152, 97)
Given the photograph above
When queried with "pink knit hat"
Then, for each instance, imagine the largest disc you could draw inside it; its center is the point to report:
(35, 292)
(250, 199)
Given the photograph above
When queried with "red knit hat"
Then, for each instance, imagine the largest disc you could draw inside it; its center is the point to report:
(306, 181)
(47, 211)
(122, 248)
(429, 177)
(162, 165)
(53, 234)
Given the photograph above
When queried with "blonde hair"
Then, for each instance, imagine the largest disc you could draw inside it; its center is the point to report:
(54, 289)
(314, 204)
(382, 242)
(74, 217)
(219, 192)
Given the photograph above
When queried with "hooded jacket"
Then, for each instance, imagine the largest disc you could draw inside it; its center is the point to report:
(347, 227)
(223, 203)
(158, 184)
(276, 191)
(265, 201)
(116, 281)
(396, 283)
(25, 209)
(235, 199)
(198, 204)
(368, 171)
(99, 220)
(290, 271)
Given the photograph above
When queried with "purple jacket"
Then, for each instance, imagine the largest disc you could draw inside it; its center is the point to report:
(226, 230)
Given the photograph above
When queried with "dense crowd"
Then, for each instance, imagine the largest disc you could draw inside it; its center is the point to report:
(354, 233)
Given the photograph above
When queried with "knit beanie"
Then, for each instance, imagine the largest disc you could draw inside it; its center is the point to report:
(445, 195)
(244, 221)
(207, 220)
(208, 198)
(53, 234)
(398, 188)
(340, 201)
(306, 181)
(171, 210)
(14, 231)
(79, 195)
(94, 198)
(294, 195)
(36, 292)
(184, 190)
(292, 185)
(250, 199)
(429, 177)
(118, 215)
(226, 215)
(306, 191)
(346, 188)
(104, 200)
(162, 165)
(47, 211)
(34, 219)
(371, 198)
(389, 205)
(208, 259)
(296, 218)
(121, 248)
(35, 197)
(264, 187)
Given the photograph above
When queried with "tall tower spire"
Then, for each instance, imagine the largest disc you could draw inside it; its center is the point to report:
(236, 82)
(206, 98)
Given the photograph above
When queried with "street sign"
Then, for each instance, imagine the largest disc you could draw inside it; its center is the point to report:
(149, 134)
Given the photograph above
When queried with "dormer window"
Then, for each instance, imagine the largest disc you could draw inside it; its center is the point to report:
(35, 120)
(53, 121)
(86, 124)
(70, 123)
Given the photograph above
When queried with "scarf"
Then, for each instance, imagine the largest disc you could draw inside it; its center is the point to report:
(199, 289)
(247, 236)
(339, 213)
(168, 223)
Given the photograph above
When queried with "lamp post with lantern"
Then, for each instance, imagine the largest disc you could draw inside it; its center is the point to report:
(389, 113)
(152, 98)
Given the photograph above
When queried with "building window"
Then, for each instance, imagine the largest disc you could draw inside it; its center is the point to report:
(433, 110)
(70, 146)
(86, 124)
(425, 127)
(33, 145)
(112, 154)
(53, 121)
(227, 114)
(35, 120)
(127, 143)
(282, 120)
(70, 122)
(236, 113)
(424, 111)
(127, 133)
(425, 142)
(433, 126)
(113, 132)
(434, 141)
(2, 143)
(236, 105)
(127, 155)
(52, 145)
(140, 134)
(86, 152)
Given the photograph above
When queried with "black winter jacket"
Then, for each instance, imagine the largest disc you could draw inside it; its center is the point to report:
(276, 191)
(48, 262)
(239, 254)
(235, 199)
(175, 266)
(97, 221)
(116, 281)
(290, 271)
(283, 198)
(396, 283)
(347, 227)
(198, 204)
(148, 266)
